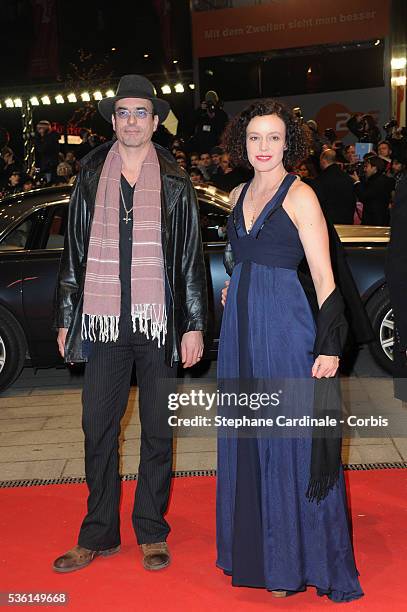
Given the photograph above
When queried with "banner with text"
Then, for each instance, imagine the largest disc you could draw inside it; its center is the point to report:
(287, 25)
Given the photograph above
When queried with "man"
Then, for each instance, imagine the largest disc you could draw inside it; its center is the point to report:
(84, 146)
(375, 192)
(229, 177)
(216, 154)
(209, 123)
(334, 189)
(14, 183)
(205, 165)
(46, 150)
(384, 151)
(196, 176)
(132, 278)
(349, 153)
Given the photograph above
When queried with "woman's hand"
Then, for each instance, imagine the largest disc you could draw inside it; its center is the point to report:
(325, 366)
(355, 176)
(224, 293)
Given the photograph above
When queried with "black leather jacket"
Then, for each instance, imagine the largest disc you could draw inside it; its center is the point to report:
(186, 288)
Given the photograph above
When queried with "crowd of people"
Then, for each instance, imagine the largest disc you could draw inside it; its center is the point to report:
(350, 190)
(54, 164)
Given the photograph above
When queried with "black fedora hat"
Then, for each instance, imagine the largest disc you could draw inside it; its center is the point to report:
(134, 86)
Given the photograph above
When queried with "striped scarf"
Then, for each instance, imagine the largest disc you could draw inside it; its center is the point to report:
(102, 292)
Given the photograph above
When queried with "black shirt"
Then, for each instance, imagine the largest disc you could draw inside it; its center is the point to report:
(125, 246)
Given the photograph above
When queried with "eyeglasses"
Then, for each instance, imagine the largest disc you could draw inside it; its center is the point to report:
(139, 113)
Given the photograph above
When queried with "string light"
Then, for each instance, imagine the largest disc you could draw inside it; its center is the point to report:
(399, 81)
(398, 63)
(166, 89)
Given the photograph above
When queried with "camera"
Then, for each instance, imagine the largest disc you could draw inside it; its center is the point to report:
(356, 167)
(390, 125)
(330, 134)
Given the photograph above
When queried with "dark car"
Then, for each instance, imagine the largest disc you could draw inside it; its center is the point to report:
(32, 227)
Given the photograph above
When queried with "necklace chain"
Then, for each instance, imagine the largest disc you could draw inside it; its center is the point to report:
(127, 218)
(254, 208)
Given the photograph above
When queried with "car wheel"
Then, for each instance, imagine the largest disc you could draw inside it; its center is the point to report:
(12, 349)
(381, 317)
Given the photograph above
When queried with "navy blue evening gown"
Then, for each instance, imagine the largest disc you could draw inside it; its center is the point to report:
(268, 533)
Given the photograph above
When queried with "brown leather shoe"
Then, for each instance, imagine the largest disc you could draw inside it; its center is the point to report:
(156, 555)
(79, 557)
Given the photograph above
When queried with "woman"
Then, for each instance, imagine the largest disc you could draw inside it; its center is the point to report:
(281, 503)
(306, 171)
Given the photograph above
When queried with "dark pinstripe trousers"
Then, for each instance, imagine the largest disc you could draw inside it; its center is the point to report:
(105, 395)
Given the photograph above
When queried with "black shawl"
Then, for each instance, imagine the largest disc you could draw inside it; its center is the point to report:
(326, 441)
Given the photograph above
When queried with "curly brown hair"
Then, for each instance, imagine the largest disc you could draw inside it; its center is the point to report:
(234, 136)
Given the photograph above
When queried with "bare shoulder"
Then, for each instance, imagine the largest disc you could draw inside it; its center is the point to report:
(234, 194)
(299, 192)
(301, 203)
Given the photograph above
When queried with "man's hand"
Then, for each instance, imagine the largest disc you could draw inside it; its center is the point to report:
(191, 348)
(61, 340)
(325, 366)
(225, 293)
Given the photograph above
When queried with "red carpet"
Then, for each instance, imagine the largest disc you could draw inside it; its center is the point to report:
(39, 523)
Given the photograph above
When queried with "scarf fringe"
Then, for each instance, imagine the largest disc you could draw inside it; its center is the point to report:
(151, 319)
(108, 326)
(319, 489)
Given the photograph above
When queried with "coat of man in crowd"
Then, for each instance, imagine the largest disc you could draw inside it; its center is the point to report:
(46, 150)
(131, 290)
(375, 191)
(334, 189)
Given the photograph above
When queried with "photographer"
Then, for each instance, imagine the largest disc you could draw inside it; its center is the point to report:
(364, 128)
(209, 123)
(375, 191)
(316, 140)
(396, 136)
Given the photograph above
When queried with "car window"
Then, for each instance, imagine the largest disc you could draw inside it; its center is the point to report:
(17, 239)
(213, 222)
(56, 227)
